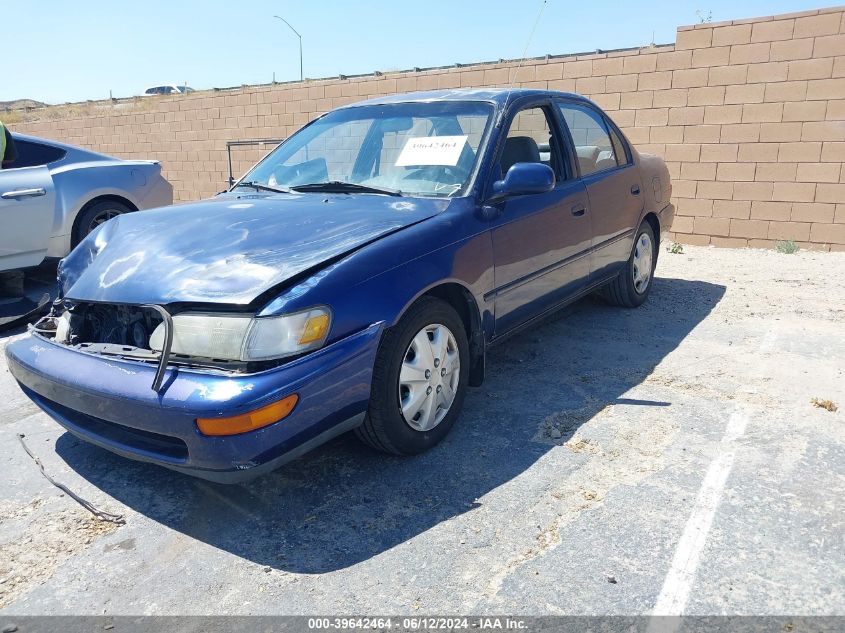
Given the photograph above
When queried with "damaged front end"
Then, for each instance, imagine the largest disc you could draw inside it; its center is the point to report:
(142, 333)
(229, 342)
(198, 286)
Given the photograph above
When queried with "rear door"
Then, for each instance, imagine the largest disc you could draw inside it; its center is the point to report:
(540, 241)
(27, 203)
(612, 181)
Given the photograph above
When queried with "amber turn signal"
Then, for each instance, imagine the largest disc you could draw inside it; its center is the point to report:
(315, 329)
(248, 421)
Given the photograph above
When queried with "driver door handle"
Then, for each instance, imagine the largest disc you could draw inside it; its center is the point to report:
(578, 210)
(24, 193)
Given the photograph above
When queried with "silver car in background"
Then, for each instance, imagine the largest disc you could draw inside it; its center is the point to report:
(54, 194)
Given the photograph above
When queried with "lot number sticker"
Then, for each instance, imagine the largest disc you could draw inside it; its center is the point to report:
(431, 150)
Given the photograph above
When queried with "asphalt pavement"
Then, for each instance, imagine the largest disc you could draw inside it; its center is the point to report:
(660, 460)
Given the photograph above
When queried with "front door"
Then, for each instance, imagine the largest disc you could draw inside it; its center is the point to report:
(540, 241)
(27, 202)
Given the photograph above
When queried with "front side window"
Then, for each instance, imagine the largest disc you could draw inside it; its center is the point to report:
(428, 149)
(530, 140)
(593, 145)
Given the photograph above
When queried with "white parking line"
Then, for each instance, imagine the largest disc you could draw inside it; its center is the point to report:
(678, 583)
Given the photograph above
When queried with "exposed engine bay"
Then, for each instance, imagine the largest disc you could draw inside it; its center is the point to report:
(113, 324)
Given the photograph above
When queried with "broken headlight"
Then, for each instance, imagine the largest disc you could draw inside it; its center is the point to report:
(245, 338)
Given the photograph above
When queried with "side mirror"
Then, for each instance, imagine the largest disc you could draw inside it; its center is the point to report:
(523, 179)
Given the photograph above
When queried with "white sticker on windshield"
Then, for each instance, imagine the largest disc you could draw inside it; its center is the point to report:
(431, 150)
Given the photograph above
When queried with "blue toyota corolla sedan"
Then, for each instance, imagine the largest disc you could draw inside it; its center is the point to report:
(353, 279)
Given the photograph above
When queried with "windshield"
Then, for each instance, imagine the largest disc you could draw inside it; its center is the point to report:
(428, 149)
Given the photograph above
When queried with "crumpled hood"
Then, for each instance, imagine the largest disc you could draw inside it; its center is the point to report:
(229, 249)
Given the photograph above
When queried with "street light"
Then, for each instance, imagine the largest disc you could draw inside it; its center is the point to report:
(301, 76)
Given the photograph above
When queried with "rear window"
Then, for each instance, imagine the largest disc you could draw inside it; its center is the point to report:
(33, 154)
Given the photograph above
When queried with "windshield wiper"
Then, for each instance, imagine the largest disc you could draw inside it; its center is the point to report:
(259, 187)
(338, 186)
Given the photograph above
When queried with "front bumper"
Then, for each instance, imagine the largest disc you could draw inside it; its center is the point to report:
(110, 402)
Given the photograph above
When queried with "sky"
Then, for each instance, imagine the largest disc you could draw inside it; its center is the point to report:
(58, 50)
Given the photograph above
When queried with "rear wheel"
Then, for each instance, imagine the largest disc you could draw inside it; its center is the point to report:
(633, 284)
(419, 380)
(95, 215)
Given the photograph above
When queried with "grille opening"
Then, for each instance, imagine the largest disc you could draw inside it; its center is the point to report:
(113, 324)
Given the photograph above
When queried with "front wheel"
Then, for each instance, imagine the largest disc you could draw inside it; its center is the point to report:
(420, 377)
(633, 284)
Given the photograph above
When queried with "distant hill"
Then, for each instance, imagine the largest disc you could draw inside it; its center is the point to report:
(20, 104)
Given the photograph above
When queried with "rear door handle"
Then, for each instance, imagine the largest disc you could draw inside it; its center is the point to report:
(578, 210)
(23, 193)
(635, 189)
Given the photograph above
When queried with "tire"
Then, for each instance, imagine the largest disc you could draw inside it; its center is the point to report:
(385, 427)
(630, 289)
(94, 215)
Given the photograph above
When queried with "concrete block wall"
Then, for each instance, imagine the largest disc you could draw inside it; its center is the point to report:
(749, 115)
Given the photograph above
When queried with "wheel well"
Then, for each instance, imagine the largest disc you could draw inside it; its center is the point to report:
(92, 202)
(464, 304)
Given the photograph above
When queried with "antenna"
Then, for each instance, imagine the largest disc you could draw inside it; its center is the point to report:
(512, 78)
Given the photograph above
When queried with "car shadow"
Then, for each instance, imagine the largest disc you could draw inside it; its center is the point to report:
(25, 295)
(344, 503)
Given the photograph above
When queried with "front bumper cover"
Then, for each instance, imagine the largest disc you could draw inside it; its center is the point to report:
(109, 402)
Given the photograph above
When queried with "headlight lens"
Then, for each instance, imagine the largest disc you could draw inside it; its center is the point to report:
(246, 338)
(275, 337)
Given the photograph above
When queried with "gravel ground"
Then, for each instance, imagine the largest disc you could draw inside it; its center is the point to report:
(614, 462)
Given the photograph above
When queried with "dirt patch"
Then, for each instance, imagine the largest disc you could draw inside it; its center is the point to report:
(560, 427)
(827, 405)
(39, 546)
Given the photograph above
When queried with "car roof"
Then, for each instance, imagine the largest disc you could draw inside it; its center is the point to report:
(495, 95)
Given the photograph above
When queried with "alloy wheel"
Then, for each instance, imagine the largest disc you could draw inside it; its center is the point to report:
(104, 216)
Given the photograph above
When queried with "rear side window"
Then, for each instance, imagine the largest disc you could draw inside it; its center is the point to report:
(594, 146)
(34, 154)
(618, 147)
